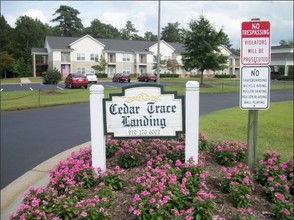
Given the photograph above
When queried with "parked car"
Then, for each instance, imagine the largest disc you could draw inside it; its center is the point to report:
(92, 78)
(121, 77)
(146, 77)
(76, 80)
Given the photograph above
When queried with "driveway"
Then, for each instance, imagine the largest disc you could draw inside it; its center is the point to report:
(29, 137)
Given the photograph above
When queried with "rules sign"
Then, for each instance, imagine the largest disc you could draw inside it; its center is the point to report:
(255, 87)
(255, 43)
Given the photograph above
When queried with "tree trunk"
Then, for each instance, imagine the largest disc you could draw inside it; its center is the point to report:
(201, 78)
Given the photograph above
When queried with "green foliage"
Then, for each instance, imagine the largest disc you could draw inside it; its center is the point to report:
(129, 159)
(172, 32)
(69, 24)
(169, 75)
(149, 36)
(288, 78)
(287, 42)
(129, 31)
(22, 68)
(225, 76)
(229, 152)
(6, 62)
(52, 76)
(101, 66)
(5, 35)
(28, 33)
(202, 44)
(101, 75)
(99, 30)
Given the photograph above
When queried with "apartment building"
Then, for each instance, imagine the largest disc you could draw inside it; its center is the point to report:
(78, 55)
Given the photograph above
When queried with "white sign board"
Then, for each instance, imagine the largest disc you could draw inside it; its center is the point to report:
(143, 112)
(255, 43)
(255, 87)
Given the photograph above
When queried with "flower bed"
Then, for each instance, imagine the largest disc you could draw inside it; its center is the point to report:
(156, 183)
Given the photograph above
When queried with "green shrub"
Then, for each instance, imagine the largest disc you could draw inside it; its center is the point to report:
(223, 76)
(52, 76)
(169, 75)
(101, 75)
(286, 78)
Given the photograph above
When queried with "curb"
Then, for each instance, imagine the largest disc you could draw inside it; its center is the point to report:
(12, 195)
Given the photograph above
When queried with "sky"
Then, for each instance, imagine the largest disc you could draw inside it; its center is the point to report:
(227, 15)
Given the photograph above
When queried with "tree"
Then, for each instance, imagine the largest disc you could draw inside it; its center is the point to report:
(69, 23)
(22, 68)
(226, 41)
(52, 76)
(101, 30)
(286, 43)
(101, 65)
(129, 31)
(149, 36)
(28, 33)
(5, 35)
(172, 65)
(6, 62)
(172, 33)
(202, 47)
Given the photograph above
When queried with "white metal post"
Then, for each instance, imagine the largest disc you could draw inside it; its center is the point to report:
(192, 120)
(97, 128)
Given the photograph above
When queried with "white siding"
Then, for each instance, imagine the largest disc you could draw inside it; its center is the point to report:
(165, 50)
(87, 46)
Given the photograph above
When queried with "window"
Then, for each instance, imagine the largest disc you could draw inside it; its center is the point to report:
(80, 56)
(166, 58)
(92, 71)
(81, 70)
(65, 57)
(111, 58)
(94, 57)
(142, 59)
(126, 57)
(126, 71)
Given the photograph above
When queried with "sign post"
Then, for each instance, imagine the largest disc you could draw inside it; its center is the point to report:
(255, 78)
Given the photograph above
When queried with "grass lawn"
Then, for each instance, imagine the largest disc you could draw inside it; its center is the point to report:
(275, 127)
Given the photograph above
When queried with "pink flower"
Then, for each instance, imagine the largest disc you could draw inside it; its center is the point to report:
(250, 211)
(280, 196)
(188, 174)
(178, 163)
(145, 193)
(228, 175)
(287, 212)
(198, 198)
(152, 200)
(136, 198)
(137, 212)
(84, 214)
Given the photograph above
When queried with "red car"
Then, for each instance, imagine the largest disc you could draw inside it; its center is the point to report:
(76, 80)
(146, 77)
(121, 77)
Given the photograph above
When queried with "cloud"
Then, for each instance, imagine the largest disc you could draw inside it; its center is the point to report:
(116, 19)
(36, 14)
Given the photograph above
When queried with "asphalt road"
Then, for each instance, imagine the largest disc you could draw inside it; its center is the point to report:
(29, 137)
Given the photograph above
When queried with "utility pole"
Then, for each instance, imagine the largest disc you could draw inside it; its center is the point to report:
(158, 45)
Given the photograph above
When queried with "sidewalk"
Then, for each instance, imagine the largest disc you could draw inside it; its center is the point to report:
(12, 195)
(25, 80)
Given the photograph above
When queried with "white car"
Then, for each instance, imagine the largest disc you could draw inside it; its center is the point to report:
(92, 78)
